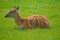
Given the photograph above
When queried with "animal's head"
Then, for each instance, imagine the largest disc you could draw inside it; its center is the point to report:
(12, 12)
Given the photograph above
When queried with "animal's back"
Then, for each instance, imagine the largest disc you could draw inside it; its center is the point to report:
(36, 21)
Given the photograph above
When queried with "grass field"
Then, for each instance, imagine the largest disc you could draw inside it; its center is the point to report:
(48, 8)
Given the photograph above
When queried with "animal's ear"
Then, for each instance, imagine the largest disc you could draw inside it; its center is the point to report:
(17, 8)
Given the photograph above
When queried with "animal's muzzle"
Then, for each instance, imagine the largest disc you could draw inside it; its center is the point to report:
(6, 16)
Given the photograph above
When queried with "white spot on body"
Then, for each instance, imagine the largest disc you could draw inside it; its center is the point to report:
(21, 26)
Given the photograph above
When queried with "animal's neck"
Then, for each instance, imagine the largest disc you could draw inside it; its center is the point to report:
(18, 19)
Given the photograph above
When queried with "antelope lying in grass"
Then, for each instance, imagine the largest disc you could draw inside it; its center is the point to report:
(29, 22)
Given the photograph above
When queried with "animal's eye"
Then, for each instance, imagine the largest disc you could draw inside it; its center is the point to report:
(10, 12)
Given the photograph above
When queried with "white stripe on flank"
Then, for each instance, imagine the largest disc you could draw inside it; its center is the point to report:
(33, 21)
(39, 21)
(29, 21)
(42, 22)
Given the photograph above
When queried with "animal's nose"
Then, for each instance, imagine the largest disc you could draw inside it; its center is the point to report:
(5, 16)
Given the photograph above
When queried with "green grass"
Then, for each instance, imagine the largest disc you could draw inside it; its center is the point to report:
(48, 8)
